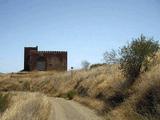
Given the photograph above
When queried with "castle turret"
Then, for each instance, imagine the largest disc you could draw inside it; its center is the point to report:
(27, 51)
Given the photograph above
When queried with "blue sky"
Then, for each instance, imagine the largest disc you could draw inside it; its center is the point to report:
(84, 28)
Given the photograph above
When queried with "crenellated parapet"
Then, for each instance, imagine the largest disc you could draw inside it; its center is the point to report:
(53, 52)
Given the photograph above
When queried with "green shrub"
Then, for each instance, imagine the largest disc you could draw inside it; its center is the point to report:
(4, 101)
(71, 94)
(137, 55)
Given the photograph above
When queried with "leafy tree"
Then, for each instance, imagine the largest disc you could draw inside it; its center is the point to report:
(85, 64)
(111, 57)
(137, 55)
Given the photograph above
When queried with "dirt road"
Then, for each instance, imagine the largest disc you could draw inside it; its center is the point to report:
(69, 110)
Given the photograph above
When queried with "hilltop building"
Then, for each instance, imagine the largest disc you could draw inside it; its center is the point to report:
(44, 60)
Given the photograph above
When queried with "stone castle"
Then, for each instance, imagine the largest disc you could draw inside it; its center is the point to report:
(35, 60)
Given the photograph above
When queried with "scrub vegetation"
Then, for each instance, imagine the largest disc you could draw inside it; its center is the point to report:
(102, 87)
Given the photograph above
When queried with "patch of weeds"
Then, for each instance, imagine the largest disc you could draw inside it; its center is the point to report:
(71, 94)
(4, 102)
(20, 81)
(26, 86)
(82, 91)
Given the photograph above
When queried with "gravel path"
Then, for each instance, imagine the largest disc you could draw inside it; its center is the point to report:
(62, 109)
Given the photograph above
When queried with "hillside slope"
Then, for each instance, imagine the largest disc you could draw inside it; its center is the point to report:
(101, 88)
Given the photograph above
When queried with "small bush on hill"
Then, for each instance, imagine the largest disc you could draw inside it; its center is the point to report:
(111, 57)
(71, 94)
(97, 65)
(85, 64)
(26, 86)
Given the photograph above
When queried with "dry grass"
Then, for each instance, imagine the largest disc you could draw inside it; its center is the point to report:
(90, 83)
(96, 84)
(93, 103)
(27, 106)
(101, 88)
(143, 102)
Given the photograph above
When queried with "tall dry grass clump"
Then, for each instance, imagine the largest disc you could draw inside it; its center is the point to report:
(4, 102)
(27, 106)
